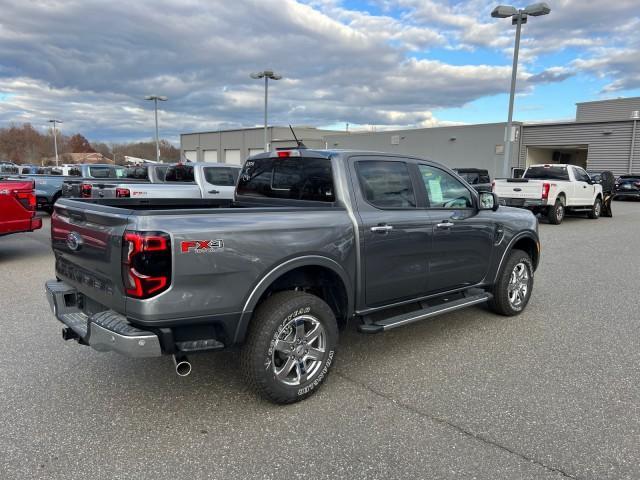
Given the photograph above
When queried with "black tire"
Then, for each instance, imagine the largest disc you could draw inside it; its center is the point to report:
(502, 303)
(273, 325)
(596, 209)
(555, 215)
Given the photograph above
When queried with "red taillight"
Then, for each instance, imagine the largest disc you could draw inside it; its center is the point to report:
(545, 190)
(26, 198)
(285, 153)
(85, 190)
(123, 193)
(146, 263)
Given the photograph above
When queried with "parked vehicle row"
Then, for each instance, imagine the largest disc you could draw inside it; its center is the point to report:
(314, 239)
(192, 180)
(552, 190)
(18, 207)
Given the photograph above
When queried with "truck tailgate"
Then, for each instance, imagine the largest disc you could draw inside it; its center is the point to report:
(87, 243)
(520, 188)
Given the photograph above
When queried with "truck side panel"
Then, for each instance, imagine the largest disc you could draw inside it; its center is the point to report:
(251, 242)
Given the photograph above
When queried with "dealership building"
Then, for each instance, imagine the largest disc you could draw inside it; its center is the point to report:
(603, 136)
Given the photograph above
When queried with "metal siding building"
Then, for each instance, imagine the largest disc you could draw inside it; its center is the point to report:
(616, 109)
(594, 145)
(234, 146)
(601, 138)
(478, 146)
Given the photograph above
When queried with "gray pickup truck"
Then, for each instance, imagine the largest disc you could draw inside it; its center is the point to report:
(314, 239)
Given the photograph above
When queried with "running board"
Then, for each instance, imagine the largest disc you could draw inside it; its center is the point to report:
(417, 315)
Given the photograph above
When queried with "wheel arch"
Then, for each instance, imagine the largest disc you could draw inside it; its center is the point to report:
(317, 274)
(527, 242)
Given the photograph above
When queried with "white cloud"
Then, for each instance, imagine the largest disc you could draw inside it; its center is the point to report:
(91, 62)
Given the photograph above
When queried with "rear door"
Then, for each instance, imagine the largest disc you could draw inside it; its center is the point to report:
(395, 231)
(218, 182)
(462, 235)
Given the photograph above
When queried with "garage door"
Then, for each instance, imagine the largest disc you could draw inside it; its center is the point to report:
(232, 157)
(191, 155)
(255, 151)
(211, 156)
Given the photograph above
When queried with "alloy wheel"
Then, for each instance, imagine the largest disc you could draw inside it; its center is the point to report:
(299, 350)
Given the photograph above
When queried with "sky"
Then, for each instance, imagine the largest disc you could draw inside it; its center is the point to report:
(374, 64)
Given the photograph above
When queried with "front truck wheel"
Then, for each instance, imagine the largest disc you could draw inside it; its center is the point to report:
(290, 346)
(512, 289)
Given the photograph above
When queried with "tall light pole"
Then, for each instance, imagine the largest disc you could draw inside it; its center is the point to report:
(55, 138)
(155, 99)
(518, 18)
(266, 74)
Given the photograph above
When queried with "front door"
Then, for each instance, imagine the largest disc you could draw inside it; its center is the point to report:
(396, 233)
(463, 236)
(583, 189)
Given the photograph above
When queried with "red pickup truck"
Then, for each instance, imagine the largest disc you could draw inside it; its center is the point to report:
(18, 207)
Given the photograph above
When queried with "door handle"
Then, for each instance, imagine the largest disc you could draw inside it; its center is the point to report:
(382, 229)
(214, 191)
(445, 224)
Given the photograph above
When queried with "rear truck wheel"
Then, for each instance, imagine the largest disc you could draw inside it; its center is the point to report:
(290, 346)
(555, 215)
(596, 209)
(513, 287)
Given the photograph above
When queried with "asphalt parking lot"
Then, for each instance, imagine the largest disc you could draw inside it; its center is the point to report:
(553, 393)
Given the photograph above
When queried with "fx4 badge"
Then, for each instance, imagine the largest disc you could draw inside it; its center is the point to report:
(201, 246)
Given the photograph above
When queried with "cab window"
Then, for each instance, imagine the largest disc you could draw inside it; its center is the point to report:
(444, 190)
(386, 184)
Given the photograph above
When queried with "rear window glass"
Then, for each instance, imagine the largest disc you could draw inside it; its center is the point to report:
(547, 173)
(294, 178)
(101, 172)
(222, 176)
(179, 173)
(139, 173)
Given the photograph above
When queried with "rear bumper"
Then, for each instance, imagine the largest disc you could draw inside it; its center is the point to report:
(104, 331)
(521, 202)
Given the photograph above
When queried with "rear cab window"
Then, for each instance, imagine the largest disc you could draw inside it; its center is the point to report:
(547, 172)
(289, 178)
(179, 173)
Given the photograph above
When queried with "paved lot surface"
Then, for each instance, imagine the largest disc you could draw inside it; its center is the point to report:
(553, 393)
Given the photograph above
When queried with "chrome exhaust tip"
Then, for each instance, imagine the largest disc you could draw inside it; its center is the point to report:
(183, 366)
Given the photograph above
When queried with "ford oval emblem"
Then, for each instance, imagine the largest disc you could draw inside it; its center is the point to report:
(517, 189)
(74, 241)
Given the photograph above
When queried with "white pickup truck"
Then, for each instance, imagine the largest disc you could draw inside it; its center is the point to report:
(185, 180)
(552, 190)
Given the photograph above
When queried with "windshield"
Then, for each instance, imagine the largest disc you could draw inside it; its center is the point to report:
(547, 172)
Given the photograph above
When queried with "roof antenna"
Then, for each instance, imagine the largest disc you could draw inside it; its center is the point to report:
(298, 142)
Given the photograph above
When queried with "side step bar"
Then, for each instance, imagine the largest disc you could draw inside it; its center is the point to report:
(417, 315)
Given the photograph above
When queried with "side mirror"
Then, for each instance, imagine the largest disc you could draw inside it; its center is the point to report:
(488, 201)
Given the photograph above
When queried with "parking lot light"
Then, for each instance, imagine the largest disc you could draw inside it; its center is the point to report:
(55, 138)
(266, 74)
(155, 99)
(518, 18)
